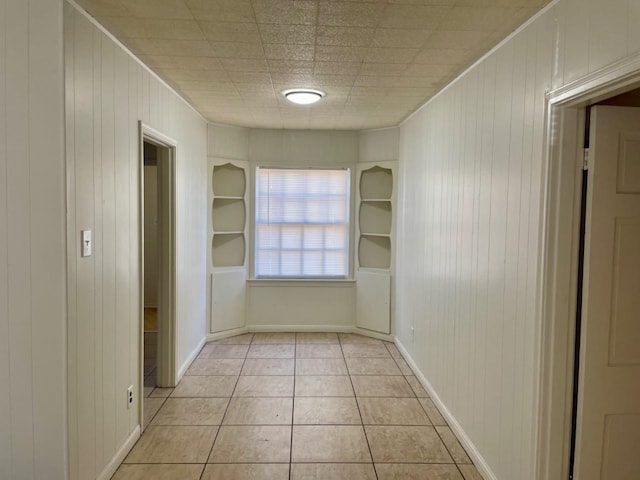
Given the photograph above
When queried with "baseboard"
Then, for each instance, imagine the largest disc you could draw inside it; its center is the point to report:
(466, 442)
(300, 328)
(185, 365)
(120, 455)
(297, 328)
(226, 334)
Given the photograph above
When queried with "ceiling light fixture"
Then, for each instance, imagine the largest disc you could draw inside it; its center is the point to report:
(303, 96)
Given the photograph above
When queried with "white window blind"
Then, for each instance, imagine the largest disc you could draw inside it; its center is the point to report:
(302, 223)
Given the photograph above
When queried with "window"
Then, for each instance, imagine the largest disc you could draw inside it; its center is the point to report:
(302, 223)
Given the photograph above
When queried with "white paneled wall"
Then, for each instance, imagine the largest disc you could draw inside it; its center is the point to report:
(472, 188)
(32, 241)
(107, 93)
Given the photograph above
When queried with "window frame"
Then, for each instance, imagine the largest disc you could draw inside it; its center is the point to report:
(292, 280)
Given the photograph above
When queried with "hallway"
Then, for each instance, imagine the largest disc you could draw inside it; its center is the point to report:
(274, 406)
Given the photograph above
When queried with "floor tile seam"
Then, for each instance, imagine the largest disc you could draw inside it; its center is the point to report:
(364, 431)
(144, 427)
(450, 450)
(215, 438)
(293, 407)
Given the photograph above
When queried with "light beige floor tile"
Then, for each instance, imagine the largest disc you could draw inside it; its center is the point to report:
(259, 411)
(355, 338)
(271, 351)
(254, 471)
(324, 386)
(161, 392)
(243, 339)
(365, 350)
(252, 444)
(372, 366)
(453, 445)
(150, 407)
(191, 411)
(214, 350)
(215, 366)
(268, 366)
(406, 444)
(381, 386)
(404, 367)
(432, 411)
(317, 338)
(393, 471)
(393, 350)
(329, 443)
(332, 471)
(159, 472)
(320, 366)
(326, 411)
(318, 351)
(173, 445)
(469, 472)
(264, 386)
(205, 386)
(416, 386)
(392, 411)
(277, 338)
(147, 391)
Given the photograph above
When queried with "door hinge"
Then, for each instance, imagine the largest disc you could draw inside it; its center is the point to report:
(585, 159)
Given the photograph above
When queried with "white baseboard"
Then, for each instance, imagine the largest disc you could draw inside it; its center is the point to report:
(297, 328)
(300, 328)
(226, 334)
(476, 457)
(185, 365)
(120, 455)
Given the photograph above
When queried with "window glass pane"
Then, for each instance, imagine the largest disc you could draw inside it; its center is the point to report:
(302, 222)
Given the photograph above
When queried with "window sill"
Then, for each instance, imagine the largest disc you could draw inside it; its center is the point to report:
(301, 282)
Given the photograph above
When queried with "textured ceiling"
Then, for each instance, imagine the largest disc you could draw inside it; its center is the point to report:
(377, 60)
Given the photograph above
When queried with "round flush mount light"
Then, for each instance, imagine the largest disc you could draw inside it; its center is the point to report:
(303, 96)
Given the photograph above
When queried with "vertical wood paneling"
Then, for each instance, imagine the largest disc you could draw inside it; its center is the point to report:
(471, 166)
(107, 94)
(107, 242)
(32, 291)
(72, 318)
(5, 345)
(19, 237)
(97, 234)
(46, 171)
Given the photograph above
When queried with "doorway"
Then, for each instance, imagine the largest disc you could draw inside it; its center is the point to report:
(591, 363)
(157, 267)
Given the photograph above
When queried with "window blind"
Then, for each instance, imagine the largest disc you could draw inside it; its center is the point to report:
(302, 223)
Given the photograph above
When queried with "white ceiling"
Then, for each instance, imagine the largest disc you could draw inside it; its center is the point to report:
(377, 60)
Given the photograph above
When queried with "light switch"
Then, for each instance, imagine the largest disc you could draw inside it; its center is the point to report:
(87, 247)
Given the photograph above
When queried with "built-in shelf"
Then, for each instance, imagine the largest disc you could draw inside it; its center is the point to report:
(374, 251)
(376, 183)
(375, 217)
(228, 249)
(228, 215)
(229, 181)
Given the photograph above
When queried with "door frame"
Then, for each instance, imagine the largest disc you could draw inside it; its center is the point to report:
(565, 131)
(167, 368)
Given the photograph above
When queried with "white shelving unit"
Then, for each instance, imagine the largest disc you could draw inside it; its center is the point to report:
(227, 234)
(375, 243)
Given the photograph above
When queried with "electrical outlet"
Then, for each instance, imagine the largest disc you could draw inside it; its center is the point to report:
(129, 396)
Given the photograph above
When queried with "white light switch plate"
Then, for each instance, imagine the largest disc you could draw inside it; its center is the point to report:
(87, 245)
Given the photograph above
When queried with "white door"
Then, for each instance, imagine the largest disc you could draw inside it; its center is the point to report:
(608, 427)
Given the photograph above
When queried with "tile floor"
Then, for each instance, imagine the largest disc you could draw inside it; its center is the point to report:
(300, 406)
